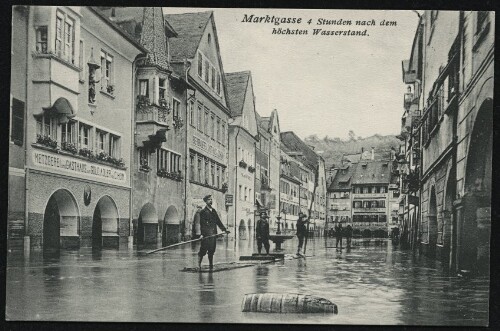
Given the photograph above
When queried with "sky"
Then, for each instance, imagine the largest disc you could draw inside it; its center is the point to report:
(323, 85)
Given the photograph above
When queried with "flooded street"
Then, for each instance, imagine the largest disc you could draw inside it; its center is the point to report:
(372, 283)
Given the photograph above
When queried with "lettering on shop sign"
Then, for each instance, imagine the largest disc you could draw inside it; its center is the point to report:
(206, 147)
(78, 167)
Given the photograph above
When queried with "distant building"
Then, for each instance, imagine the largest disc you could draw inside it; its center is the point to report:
(289, 191)
(339, 196)
(243, 135)
(269, 128)
(305, 155)
(365, 195)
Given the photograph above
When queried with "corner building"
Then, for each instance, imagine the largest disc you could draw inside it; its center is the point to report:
(79, 128)
(195, 55)
(159, 140)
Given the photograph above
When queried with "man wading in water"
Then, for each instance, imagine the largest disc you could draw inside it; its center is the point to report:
(301, 231)
(209, 220)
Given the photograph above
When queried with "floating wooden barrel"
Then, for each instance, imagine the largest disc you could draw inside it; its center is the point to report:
(286, 303)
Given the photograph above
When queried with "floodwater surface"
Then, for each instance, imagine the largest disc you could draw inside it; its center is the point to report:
(372, 283)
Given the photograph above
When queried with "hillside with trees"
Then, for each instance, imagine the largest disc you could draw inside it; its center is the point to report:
(333, 149)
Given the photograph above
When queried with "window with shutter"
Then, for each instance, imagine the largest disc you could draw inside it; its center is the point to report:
(17, 127)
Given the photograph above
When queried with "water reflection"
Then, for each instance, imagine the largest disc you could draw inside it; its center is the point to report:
(206, 295)
(372, 283)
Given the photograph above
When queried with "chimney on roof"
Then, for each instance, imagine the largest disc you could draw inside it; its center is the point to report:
(373, 153)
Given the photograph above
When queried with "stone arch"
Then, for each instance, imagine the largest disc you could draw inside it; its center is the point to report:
(448, 224)
(242, 230)
(475, 227)
(147, 224)
(105, 224)
(171, 226)
(61, 221)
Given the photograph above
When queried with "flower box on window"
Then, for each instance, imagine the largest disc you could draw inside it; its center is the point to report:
(242, 164)
(144, 167)
(86, 153)
(110, 89)
(142, 102)
(162, 102)
(46, 141)
(178, 122)
(69, 147)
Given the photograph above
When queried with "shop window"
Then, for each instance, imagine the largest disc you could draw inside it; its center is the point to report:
(206, 122)
(207, 173)
(218, 176)
(200, 170)
(212, 173)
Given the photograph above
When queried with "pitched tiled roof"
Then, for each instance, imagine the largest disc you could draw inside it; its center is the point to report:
(189, 28)
(146, 25)
(295, 144)
(372, 172)
(237, 84)
(264, 123)
(343, 178)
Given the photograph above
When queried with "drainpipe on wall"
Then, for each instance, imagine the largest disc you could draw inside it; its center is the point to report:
(236, 234)
(187, 64)
(130, 242)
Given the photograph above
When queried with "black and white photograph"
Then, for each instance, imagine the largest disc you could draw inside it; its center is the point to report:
(250, 165)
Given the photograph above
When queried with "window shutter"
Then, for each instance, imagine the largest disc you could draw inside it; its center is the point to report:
(17, 129)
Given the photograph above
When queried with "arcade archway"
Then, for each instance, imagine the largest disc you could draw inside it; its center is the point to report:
(105, 224)
(475, 227)
(147, 225)
(61, 222)
(171, 226)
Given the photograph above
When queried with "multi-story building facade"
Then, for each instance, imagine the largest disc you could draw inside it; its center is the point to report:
(159, 144)
(305, 155)
(370, 198)
(289, 191)
(471, 220)
(339, 196)
(243, 135)
(456, 94)
(270, 129)
(80, 75)
(262, 188)
(17, 142)
(408, 164)
(195, 55)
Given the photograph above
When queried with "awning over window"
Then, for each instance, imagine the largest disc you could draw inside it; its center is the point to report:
(61, 109)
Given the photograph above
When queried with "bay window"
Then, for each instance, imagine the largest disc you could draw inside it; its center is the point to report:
(162, 88)
(144, 87)
(41, 39)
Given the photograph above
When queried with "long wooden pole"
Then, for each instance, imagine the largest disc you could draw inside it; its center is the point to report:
(185, 242)
(311, 205)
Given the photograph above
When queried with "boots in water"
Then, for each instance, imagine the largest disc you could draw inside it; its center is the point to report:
(200, 258)
(211, 262)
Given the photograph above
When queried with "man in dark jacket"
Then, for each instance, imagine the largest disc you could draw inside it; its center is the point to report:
(348, 235)
(209, 220)
(263, 232)
(338, 235)
(301, 230)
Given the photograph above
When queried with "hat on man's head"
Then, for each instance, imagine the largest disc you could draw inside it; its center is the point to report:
(207, 197)
(263, 214)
